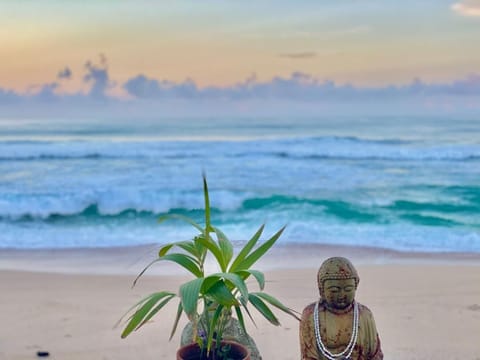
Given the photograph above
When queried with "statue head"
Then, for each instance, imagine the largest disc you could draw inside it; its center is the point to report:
(337, 282)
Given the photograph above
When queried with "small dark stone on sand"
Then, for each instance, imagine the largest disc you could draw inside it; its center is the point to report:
(43, 354)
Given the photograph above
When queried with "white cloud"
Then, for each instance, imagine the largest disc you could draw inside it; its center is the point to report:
(299, 93)
(467, 8)
(297, 87)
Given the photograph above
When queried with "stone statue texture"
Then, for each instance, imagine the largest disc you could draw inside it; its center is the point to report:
(337, 282)
(233, 331)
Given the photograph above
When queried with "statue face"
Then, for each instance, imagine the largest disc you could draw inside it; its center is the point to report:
(339, 294)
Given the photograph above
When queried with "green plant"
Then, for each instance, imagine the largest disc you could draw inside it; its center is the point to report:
(208, 299)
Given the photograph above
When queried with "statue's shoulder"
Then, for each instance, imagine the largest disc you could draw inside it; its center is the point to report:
(364, 311)
(308, 310)
(363, 308)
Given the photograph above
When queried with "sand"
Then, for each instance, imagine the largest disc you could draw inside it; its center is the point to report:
(66, 302)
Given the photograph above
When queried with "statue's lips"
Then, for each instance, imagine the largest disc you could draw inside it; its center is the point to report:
(342, 304)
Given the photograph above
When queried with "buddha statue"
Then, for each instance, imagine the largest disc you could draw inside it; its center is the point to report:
(336, 326)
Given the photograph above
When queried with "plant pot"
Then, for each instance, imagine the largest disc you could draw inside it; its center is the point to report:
(193, 352)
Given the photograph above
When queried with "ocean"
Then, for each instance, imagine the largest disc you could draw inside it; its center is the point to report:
(402, 183)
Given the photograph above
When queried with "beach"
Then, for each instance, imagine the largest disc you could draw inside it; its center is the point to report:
(66, 302)
(326, 128)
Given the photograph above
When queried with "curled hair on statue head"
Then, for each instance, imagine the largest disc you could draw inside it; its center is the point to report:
(335, 268)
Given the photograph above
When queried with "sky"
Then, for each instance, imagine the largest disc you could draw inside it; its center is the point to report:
(303, 50)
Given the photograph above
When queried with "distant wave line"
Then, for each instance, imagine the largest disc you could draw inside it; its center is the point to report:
(429, 214)
(280, 155)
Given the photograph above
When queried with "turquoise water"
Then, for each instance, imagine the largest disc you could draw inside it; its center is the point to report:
(399, 183)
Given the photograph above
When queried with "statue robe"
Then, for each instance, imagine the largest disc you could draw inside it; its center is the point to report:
(336, 333)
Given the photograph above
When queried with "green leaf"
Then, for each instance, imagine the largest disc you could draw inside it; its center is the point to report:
(222, 295)
(213, 326)
(239, 313)
(164, 249)
(201, 250)
(207, 203)
(143, 271)
(246, 249)
(188, 246)
(257, 274)
(226, 247)
(275, 302)
(189, 293)
(184, 261)
(209, 281)
(180, 217)
(215, 250)
(155, 310)
(263, 309)
(238, 283)
(133, 307)
(249, 314)
(177, 318)
(143, 311)
(260, 251)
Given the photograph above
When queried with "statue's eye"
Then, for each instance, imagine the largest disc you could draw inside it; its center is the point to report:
(334, 289)
(348, 288)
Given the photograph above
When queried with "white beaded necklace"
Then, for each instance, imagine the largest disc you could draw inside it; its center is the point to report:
(345, 354)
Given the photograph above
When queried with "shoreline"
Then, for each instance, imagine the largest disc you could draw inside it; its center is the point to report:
(129, 260)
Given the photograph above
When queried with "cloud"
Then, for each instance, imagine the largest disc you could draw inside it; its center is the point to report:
(299, 55)
(467, 8)
(296, 94)
(46, 92)
(65, 73)
(99, 77)
(144, 87)
(8, 97)
(298, 86)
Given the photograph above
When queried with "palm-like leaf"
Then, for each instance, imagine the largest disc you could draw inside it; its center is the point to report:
(180, 217)
(263, 309)
(238, 284)
(220, 291)
(226, 247)
(189, 294)
(275, 302)
(206, 198)
(239, 313)
(212, 328)
(143, 311)
(185, 261)
(215, 250)
(177, 319)
(188, 246)
(258, 275)
(246, 249)
(259, 252)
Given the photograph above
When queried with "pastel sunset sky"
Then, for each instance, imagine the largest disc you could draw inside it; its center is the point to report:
(64, 45)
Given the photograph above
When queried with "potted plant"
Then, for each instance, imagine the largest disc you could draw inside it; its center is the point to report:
(208, 299)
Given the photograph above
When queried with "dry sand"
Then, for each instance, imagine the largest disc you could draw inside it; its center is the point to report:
(66, 302)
